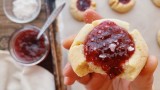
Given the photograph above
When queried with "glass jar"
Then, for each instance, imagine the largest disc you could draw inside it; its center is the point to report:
(8, 10)
(26, 49)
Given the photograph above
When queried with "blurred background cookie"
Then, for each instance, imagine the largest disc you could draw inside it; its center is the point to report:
(158, 37)
(156, 2)
(78, 7)
(121, 6)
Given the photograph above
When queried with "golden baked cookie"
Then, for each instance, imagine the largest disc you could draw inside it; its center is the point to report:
(105, 46)
(122, 6)
(158, 38)
(156, 2)
(78, 7)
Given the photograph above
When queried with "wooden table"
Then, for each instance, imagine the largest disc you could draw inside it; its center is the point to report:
(53, 61)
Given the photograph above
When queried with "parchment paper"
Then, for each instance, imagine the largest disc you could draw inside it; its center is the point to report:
(145, 17)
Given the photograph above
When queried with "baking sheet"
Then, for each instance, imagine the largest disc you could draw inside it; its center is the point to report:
(145, 17)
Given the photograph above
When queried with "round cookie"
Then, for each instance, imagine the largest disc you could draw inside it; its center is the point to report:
(122, 6)
(132, 67)
(156, 2)
(78, 7)
(158, 38)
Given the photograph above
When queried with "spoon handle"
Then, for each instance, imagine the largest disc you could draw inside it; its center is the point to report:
(50, 19)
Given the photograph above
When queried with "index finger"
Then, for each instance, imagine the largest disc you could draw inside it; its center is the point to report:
(68, 42)
(89, 16)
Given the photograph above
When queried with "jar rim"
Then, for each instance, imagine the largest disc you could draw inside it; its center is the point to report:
(21, 60)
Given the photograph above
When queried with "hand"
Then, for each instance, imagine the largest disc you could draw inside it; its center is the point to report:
(96, 81)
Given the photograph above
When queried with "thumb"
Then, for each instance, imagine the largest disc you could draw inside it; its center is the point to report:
(91, 15)
(145, 80)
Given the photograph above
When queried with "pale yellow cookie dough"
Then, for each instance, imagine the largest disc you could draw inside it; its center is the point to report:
(77, 14)
(156, 2)
(120, 7)
(132, 67)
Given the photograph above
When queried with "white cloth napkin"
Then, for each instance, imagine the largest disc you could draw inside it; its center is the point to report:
(16, 77)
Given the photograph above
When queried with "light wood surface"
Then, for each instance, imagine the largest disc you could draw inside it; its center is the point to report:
(7, 27)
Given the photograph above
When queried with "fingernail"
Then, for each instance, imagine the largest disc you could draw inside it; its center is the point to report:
(65, 69)
(65, 80)
(67, 66)
(152, 57)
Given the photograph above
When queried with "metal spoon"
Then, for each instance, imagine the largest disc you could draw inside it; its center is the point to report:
(50, 19)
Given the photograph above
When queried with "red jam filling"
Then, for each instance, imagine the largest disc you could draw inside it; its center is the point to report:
(124, 1)
(82, 5)
(27, 47)
(109, 46)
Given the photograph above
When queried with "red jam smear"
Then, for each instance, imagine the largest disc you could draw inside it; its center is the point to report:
(124, 1)
(82, 5)
(27, 47)
(109, 46)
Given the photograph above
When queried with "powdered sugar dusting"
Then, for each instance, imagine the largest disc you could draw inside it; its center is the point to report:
(112, 47)
(130, 48)
(102, 56)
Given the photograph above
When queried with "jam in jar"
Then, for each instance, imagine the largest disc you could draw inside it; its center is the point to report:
(26, 48)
